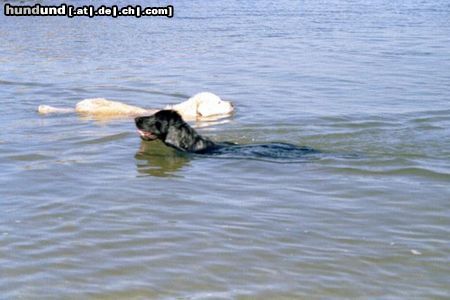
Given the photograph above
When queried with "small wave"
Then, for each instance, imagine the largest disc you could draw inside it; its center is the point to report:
(426, 119)
(147, 91)
(18, 83)
(368, 124)
(405, 171)
(29, 157)
(106, 139)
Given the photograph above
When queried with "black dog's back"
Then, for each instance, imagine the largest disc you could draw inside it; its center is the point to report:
(267, 150)
(169, 127)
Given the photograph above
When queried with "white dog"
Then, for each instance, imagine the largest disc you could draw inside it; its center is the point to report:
(202, 105)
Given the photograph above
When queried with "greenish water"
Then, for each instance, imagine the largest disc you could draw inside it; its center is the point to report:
(87, 210)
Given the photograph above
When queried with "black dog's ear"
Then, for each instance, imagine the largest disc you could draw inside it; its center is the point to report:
(158, 125)
(173, 138)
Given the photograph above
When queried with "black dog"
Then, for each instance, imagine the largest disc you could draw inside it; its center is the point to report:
(169, 127)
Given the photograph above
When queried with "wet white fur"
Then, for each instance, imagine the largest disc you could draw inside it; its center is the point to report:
(202, 105)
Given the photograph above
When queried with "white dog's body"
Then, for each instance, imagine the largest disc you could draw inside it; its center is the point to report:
(202, 105)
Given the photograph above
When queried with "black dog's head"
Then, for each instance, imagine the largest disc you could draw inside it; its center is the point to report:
(169, 127)
(157, 126)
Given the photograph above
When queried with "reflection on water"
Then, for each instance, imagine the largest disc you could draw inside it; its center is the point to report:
(156, 159)
(104, 119)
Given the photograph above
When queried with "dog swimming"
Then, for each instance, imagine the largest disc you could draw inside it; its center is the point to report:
(170, 128)
(202, 106)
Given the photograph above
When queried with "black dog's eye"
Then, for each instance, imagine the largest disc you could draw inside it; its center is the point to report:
(158, 126)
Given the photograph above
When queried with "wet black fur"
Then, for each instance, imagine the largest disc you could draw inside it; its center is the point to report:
(169, 127)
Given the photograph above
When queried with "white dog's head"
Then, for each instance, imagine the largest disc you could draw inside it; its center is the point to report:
(203, 105)
(209, 105)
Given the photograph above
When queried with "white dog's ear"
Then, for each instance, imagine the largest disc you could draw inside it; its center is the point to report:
(199, 111)
(204, 108)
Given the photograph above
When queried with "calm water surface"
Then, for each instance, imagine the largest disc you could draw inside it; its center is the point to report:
(87, 210)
